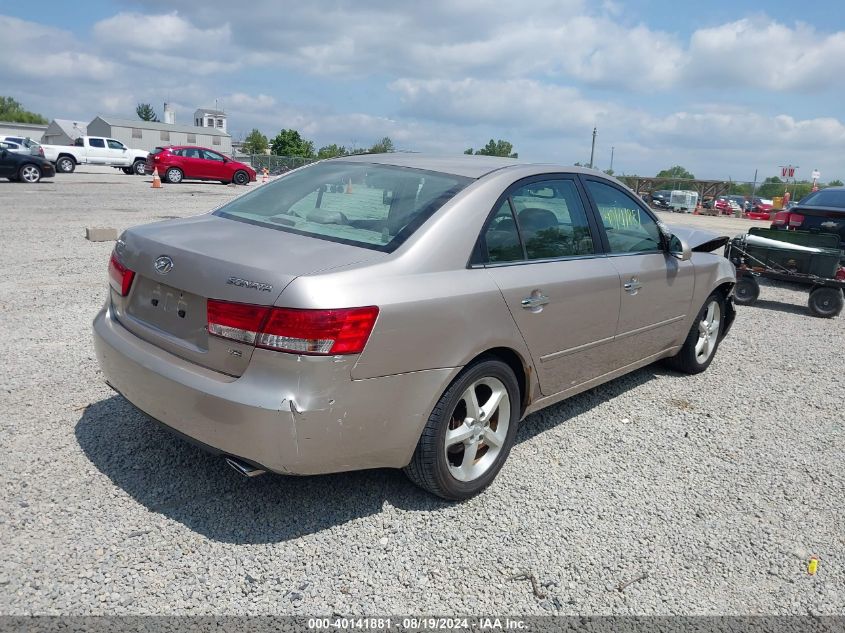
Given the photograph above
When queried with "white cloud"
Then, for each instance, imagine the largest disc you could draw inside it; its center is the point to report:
(765, 54)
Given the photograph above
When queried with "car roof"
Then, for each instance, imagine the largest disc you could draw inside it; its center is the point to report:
(469, 166)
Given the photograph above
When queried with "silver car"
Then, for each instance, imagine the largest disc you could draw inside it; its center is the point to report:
(401, 311)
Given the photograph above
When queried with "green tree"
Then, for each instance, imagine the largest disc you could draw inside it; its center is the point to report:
(677, 172)
(384, 146)
(468, 150)
(609, 172)
(771, 187)
(290, 143)
(498, 148)
(330, 151)
(145, 112)
(255, 142)
(13, 112)
(835, 183)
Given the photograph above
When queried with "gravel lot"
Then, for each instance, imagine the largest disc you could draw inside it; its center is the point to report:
(719, 487)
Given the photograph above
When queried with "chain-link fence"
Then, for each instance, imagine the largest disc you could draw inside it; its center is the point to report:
(276, 164)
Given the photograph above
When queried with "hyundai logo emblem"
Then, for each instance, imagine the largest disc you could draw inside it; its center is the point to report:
(163, 265)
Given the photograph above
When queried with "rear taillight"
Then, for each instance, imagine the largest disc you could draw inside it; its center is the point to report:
(781, 218)
(796, 219)
(320, 332)
(120, 277)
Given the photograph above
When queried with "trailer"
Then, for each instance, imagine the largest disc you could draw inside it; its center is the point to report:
(797, 257)
(683, 201)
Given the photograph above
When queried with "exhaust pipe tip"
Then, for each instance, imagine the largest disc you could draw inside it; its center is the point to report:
(247, 470)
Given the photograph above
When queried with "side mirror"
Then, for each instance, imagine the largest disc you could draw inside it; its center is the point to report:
(679, 249)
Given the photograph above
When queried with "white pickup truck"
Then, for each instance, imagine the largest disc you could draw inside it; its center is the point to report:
(96, 150)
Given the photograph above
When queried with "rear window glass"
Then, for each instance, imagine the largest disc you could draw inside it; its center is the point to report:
(368, 205)
(825, 198)
(156, 150)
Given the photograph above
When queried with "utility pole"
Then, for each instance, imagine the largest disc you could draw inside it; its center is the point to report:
(611, 159)
(593, 148)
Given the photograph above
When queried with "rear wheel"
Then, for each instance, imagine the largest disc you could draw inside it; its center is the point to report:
(65, 164)
(139, 168)
(703, 339)
(29, 173)
(173, 175)
(241, 178)
(826, 302)
(469, 434)
(746, 291)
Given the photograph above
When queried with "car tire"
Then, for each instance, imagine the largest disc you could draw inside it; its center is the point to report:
(703, 339)
(127, 170)
(29, 173)
(240, 178)
(139, 168)
(826, 302)
(65, 165)
(457, 456)
(747, 291)
(174, 175)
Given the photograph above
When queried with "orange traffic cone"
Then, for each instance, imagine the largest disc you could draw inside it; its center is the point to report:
(266, 175)
(156, 179)
(349, 186)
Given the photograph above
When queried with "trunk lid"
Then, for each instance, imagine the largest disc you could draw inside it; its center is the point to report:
(211, 257)
(822, 220)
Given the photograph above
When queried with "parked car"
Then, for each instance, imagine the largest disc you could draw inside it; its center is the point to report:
(411, 323)
(96, 150)
(34, 149)
(725, 205)
(740, 201)
(19, 167)
(822, 211)
(661, 198)
(186, 162)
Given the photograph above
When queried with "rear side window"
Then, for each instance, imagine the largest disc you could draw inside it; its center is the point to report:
(552, 220)
(502, 237)
(368, 205)
(96, 142)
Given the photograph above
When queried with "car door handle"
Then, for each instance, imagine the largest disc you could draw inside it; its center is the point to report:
(534, 301)
(632, 286)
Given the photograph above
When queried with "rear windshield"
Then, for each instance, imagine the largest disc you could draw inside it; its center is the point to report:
(156, 150)
(373, 206)
(825, 198)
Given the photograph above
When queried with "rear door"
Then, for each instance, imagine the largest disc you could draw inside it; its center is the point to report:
(96, 151)
(657, 288)
(193, 162)
(540, 247)
(8, 165)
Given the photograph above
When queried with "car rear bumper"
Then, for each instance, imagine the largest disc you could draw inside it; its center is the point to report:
(286, 413)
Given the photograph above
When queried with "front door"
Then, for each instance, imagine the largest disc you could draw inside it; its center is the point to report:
(214, 166)
(117, 153)
(656, 288)
(563, 293)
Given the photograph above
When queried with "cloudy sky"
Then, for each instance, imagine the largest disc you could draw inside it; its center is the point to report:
(722, 87)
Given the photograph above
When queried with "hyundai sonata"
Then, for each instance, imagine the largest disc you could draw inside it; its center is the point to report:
(401, 311)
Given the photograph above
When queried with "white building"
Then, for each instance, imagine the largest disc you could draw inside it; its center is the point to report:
(24, 130)
(63, 132)
(147, 135)
(209, 117)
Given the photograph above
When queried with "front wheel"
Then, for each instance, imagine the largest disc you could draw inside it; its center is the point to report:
(241, 178)
(469, 434)
(127, 170)
(826, 302)
(746, 291)
(703, 339)
(29, 173)
(139, 168)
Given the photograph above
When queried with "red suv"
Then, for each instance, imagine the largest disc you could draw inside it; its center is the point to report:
(185, 162)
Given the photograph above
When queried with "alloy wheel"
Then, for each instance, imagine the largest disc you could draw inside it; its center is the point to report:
(30, 173)
(708, 332)
(477, 429)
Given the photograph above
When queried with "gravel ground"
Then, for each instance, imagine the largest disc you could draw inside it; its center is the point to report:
(717, 488)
